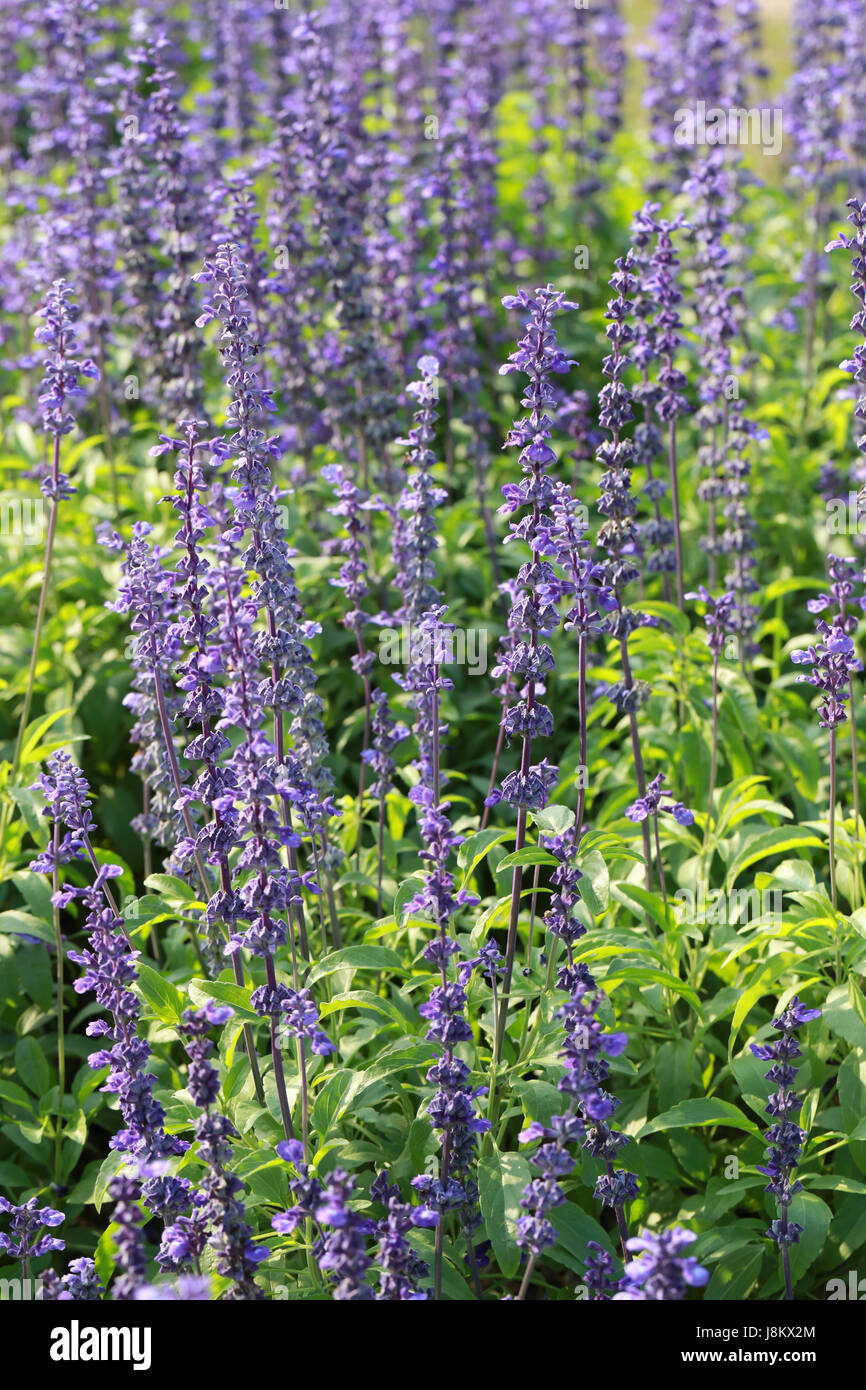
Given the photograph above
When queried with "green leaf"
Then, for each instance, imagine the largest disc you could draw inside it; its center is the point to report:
(671, 1071)
(747, 1001)
(476, 847)
(362, 999)
(554, 820)
(160, 994)
(31, 1066)
(646, 975)
(640, 901)
(814, 1216)
(668, 613)
(15, 1095)
(595, 880)
(770, 842)
(408, 889)
(30, 751)
(700, 1111)
(396, 1059)
(104, 1254)
(740, 696)
(501, 1180)
(174, 889)
(356, 958)
(575, 1228)
(530, 855)
(842, 1019)
(18, 923)
(733, 1278)
(856, 1000)
(590, 897)
(237, 996)
(12, 1176)
(109, 1168)
(35, 889)
(329, 1101)
(37, 977)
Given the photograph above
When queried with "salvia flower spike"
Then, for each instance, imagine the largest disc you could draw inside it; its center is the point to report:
(785, 1139)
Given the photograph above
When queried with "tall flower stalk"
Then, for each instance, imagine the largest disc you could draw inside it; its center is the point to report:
(618, 534)
(60, 388)
(655, 801)
(539, 358)
(671, 402)
(844, 576)
(237, 1255)
(717, 620)
(831, 660)
(785, 1139)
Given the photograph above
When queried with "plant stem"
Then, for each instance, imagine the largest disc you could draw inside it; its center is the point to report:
(277, 1056)
(528, 1273)
(37, 634)
(833, 821)
(675, 501)
(714, 756)
(786, 1258)
(61, 1042)
(855, 788)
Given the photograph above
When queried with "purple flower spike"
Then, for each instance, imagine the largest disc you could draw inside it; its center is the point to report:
(785, 1139)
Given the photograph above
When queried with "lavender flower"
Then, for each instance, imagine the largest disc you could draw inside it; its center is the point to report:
(832, 661)
(402, 1270)
(237, 1256)
(130, 1260)
(662, 1270)
(81, 1283)
(188, 1288)
(62, 369)
(584, 1056)
(540, 359)
(784, 1138)
(856, 365)
(648, 807)
(670, 402)
(109, 971)
(60, 388)
(619, 534)
(27, 1222)
(599, 1277)
(653, 802)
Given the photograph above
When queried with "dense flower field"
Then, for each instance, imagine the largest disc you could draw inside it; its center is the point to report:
(431, 703)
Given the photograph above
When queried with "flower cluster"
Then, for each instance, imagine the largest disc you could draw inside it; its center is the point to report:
(402, 1269)
(341, 1250)
(80, 1284)
(785, 1139)
(109, 967)
(237, 1255)
(653, 802)
(540, 358)
(831, 660)
(856, 243)
(27, 1223)
(60, 383)
(663, 1269)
